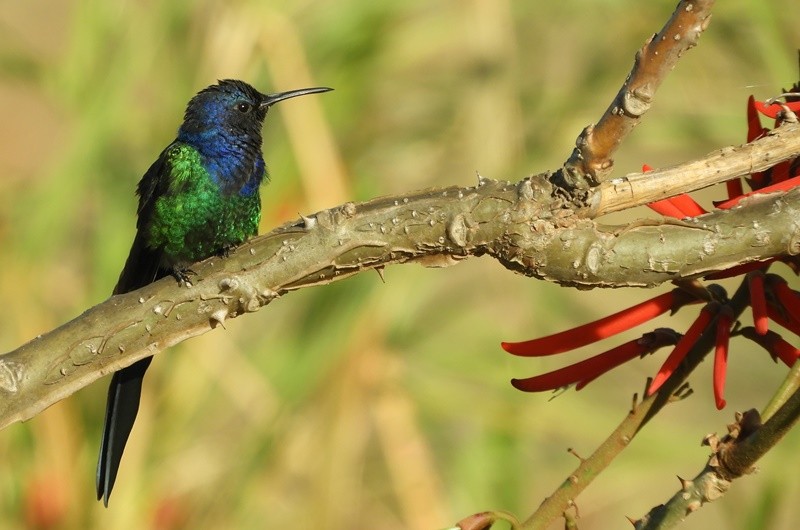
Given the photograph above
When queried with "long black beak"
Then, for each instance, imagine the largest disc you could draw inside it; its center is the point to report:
(268, 100)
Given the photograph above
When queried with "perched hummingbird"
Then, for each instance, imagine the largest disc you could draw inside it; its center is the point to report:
(200, 198)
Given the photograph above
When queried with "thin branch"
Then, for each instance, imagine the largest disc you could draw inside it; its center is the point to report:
(591, 161)
(637, 189)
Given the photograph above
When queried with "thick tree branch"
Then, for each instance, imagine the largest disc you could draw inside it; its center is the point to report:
(531, 227)
(527, 226)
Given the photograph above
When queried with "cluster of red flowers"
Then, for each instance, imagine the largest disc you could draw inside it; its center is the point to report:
(770, 298)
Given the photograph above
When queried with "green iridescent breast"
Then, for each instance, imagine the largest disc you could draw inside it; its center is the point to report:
(193, 220)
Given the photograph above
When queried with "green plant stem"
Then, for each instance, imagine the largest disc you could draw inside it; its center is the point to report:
(788, 388)
(733, 457)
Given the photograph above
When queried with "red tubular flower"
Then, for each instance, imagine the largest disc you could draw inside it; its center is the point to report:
(789, 323)
(600, 329)
(724, 323)
(785, 185)
(687, 205)
(780, 172)
(787, 296)
(734, 188)
(754, 132)
(588, 370)
(779, 302)
(758, 302)
(679, 207)
(772, 111)
(739, 270)
(658, 338)
(666, 208)
(754, 128)
(597, 365)
(682, 348)
(775, 345)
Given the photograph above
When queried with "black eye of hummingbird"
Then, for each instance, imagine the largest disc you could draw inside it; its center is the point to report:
(244, 107)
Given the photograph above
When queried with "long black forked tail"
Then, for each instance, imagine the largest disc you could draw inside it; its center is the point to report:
(141, 268)
(123, 404)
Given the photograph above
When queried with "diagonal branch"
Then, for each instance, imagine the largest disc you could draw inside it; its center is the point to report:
(638, 189)
(591, 162)
(733, 456)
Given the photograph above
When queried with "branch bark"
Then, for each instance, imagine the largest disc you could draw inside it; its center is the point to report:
(733, 456)
(641, 188)
(591, 162)
(528, 226)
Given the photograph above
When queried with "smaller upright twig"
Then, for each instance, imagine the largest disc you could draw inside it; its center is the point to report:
(591, 161)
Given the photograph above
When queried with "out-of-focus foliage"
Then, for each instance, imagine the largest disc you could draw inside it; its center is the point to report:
(361, 404)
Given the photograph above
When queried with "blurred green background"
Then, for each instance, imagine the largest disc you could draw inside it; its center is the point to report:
(360, 404)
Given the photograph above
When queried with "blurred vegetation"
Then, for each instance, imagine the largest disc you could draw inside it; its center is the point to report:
(361, 404)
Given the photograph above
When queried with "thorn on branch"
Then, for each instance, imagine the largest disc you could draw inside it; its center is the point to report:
(686, 484)
(574, 453)
(711, 440)
(308, 222)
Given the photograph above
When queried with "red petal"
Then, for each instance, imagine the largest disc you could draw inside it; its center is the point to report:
(788, 323)
(681, 349)
(721, 354)
(785, 351)
(679, 207)
(775, 345)
(599, 329)
(666, 208)
(754, 128)
(785, 185)
(788, 297)
(652, 341)
(687, 205)
(734, 187)
(779, 172)
(772, 111)
(758, 302)
(739, 270)
(589, 368)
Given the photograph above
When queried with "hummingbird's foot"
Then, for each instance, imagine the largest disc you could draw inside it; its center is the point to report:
(181, 274)
(226, 251)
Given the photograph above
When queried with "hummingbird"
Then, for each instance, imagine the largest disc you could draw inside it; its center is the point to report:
(199, 198)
